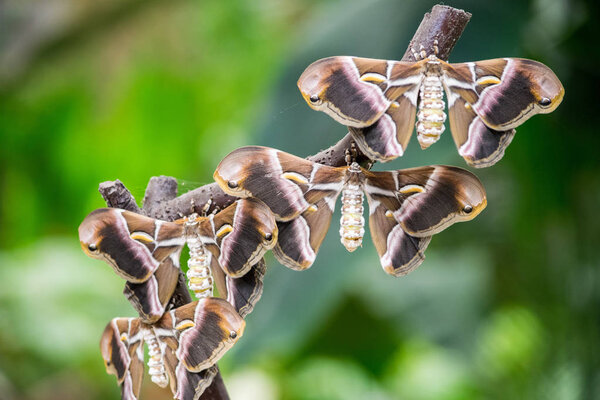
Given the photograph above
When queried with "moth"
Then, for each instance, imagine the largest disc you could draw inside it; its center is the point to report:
(145, 252)
(406, 207)
(183, 347)
(379, 99)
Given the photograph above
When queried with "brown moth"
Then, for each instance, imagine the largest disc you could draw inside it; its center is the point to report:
(406, 206)
(145, 252)
(183, 347)
(378, 101)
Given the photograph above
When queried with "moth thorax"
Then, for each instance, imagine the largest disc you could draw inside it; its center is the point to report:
(156, 366)
(352, 223)
(200, 279)
(431, 116)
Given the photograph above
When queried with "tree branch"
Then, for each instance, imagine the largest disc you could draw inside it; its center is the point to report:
(443, 27)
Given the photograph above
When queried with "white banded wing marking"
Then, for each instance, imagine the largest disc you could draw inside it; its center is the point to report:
(157, 225)
(176, 241)
(375, 190)
(313, 172)
(388, 69)
(370, 189)
(134, 338)
(450, 83)
(413, 94)
(408, 81)
(327, 187)
(395, 176)
(163, 332)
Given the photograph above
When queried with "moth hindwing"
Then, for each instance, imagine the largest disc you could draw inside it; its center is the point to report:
(183, 347)
(406, 207)
(378, 100)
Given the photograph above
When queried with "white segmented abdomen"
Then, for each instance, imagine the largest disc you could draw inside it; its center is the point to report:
(200, 279)
(156, 366)
(352, 223)
(431, 116)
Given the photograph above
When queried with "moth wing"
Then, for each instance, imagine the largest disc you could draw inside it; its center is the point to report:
(435, 197)
(133, 244)
(209, 327)
(277, 178)
(388, 137)
(244, 232)
(170, 363)
(334, 85)
(399, 252)
(376, 99)
(219, 276)
(245, 291)
(478, 144)
(123, 355)
(185, 385)
(526, 88)
(300, 239)
(191, 385)
(488, 99)
(151, 297)
(409, 206)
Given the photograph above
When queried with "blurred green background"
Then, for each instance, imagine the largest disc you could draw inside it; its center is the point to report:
(504, 307)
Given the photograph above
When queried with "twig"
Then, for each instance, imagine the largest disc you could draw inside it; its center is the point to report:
(443, 27)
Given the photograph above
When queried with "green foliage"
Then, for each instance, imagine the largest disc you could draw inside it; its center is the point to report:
(504, 306)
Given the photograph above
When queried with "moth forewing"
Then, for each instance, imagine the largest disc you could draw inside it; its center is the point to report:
(253, 231)
(448, 195)
(217, 326)
(333, 85)
(243, 172)
(104, 234)
(526, 88)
